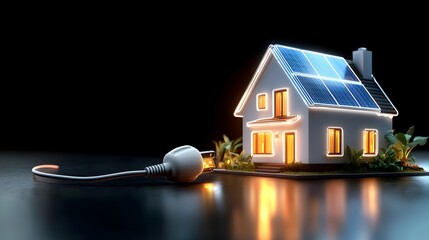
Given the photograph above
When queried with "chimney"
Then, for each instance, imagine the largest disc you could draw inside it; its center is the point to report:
(362, 59)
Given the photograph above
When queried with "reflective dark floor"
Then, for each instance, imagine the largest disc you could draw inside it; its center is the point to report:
(215, 206)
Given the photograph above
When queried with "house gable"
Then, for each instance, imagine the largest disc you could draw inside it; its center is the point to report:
(323, 80)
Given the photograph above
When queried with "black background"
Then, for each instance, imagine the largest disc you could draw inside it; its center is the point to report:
(144, 80)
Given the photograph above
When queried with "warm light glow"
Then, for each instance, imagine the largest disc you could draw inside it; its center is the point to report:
(290, 147)
(48, 166)
(370, 142)
(262, 143)
(273, 123)
(51, 166)
(280, 103)
(209, 186)
(262, 101)
(335, 141)
(267, 209)
(331, 140)
(262, 198)
(211, 193)
(208, 165)
(277, 104)
(208, 161)
(370, 199)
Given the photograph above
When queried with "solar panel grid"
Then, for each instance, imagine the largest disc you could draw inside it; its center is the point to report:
(325, 79)
(321, 64)
(297, 61)
(361, 95)
(342, 68)
(281, 57)
(316, 90)
(341, 93)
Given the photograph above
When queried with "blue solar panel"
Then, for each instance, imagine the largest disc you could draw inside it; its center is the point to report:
(297, 61)
(321, 65)
(361, 95)
(316, 90)
(341, 93)
(324, 79)
(342, 68)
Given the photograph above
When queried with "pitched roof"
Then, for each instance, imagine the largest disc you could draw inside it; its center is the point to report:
(323, 80)
(376, 92)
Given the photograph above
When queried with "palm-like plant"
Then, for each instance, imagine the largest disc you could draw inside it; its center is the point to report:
(355, 157)
(404, 143)
(240, 160)
(225, 148)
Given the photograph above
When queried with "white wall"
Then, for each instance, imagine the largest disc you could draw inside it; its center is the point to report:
(273, 77)
(311, 129)
(353, 124)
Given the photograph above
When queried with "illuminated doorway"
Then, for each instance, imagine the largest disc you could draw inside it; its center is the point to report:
(289, 147)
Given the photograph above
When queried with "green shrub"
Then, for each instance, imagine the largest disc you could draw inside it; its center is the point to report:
(402, 145)
(385, 161)
(230, 154)
(354, 158)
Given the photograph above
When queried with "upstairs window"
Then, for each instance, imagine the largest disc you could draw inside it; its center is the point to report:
(262, 101)
(280, 103)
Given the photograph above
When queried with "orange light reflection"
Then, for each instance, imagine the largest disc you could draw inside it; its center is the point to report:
(370, 199)
(275, 206)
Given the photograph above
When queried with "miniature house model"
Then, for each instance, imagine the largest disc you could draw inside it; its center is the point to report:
(305, 106)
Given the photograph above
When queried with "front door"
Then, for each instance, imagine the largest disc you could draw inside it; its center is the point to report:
(289, 147)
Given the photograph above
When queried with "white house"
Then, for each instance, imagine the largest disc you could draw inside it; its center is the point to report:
(305, 106)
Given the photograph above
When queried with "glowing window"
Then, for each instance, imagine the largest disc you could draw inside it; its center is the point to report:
(335, 141)
(290, 147)
(280, 103)
(262, 101)
(262, 143)
(370, 140)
